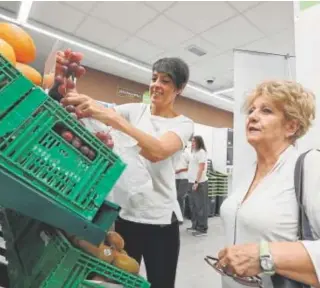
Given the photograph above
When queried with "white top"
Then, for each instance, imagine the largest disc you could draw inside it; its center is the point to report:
(183, 164)
(146, 191)
(197, 158)
(271, 211)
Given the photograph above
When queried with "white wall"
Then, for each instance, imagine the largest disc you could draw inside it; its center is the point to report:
(206, 133)
(307, 47)
(251, 68)
(219, 147)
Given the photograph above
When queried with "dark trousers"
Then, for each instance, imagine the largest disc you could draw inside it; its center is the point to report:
(159, 246)
(182, 190)
(198, 201)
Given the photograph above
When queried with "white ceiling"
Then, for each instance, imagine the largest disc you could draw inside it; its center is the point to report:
(146, 31)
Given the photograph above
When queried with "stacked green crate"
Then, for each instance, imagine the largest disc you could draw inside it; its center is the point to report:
(217, 190)
(32, 149)
(41, 256)
(49, 179)
(217, 183)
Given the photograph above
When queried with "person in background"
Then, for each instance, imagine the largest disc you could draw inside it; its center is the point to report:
(182, 178)
(198, 187)
(260, 217)
(149, 218)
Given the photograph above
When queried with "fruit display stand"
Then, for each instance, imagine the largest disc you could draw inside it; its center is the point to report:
(54, 186)
(45, 173)
(53, 262)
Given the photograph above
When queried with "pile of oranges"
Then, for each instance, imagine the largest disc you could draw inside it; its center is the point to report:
(17, 46)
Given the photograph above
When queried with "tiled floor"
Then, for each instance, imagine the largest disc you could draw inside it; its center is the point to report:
(192, 269)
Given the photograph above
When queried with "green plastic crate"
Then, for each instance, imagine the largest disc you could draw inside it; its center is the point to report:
(106, 216)
(12, 85)
(42, 257)
(41, 157)
(32, 150)
(27, 201)
(17, 114)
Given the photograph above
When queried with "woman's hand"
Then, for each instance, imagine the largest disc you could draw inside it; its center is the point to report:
(195, 186)
(85, 106)
(242, 260)
(88, 107)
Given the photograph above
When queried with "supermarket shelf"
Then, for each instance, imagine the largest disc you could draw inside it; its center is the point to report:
(217, 184)
(22, 198)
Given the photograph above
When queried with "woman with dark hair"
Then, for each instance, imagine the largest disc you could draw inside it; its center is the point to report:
(182, 179)
(150, 215)
(198, 187)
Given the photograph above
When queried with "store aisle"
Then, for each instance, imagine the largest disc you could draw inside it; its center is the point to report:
(192, 269)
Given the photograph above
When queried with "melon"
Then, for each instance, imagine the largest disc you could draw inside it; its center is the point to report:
(32, 74)
(126, 263)
(20, 41)
(115, 240)
(7, 51)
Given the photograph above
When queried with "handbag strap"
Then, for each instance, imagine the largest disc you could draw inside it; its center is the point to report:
(304, 229)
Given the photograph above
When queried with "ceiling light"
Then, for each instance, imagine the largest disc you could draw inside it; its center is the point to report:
(77, 42)
(9, 19)
(23, 16)
(24, 11)
(223, 91)
(207, 92)
(82, 44)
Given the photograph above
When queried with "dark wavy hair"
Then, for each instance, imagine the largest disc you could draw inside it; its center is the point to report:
(176, 68)
(199, 143)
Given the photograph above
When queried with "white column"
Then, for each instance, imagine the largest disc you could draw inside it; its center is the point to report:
(307, 47)
(251, 68)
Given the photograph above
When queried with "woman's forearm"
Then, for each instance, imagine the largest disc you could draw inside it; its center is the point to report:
(152, 148)
(293, 261)
(181, 170)
(200, 171)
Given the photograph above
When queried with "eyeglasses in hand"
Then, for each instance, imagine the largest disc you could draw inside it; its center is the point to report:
(254, 281)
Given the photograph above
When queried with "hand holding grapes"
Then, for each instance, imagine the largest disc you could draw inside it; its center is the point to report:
(88, 107)
(68, 70)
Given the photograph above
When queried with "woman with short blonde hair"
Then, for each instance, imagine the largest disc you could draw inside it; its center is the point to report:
(261, 215)
(297, 103)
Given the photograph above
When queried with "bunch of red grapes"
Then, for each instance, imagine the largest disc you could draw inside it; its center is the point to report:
(68, 70)
(78, 144)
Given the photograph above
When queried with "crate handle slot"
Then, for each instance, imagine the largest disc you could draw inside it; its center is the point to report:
(92, 274)
(3, 81)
